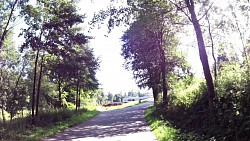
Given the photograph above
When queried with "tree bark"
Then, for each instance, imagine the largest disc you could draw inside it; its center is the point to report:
(2, 101)
(59, 93)
(163, 69)
(34, 89)
(39, 85)
(202, 50)
(154, 81)
(155, 93)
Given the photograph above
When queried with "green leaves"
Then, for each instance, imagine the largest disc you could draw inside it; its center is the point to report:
(53, 29)
(150, 44)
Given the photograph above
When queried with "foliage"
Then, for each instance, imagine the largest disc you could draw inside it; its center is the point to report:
(149, 46)
(229, 118)
(61, 51)
(164, 130)
(187, 90)
(8, 17)
(53, 64)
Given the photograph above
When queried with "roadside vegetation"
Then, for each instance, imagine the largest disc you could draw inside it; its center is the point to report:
(47, 124)
(51, 76)
(162, 129)
(156, 47)
(48, 77)
(189, 117)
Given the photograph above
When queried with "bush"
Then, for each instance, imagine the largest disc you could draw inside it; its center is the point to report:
(45, 118)
(228, 120)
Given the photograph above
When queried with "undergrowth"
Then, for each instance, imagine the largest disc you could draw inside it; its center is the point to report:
(193, 119)
(46, 124)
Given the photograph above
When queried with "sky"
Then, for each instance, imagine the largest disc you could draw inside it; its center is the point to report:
(112, 75)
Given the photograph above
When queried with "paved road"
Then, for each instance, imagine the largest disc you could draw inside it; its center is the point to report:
(126, 124)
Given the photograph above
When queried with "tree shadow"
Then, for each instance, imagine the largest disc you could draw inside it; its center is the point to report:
(108, 124)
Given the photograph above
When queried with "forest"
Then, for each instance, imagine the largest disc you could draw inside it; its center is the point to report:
(52, 74)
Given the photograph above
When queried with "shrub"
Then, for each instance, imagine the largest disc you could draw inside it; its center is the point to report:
(228, 120)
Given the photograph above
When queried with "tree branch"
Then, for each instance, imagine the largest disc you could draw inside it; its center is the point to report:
(212, 45)
(181, 8)
(7, 24)
(206, 12)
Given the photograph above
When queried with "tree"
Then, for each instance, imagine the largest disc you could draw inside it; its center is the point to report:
(52, 30)
(240, 23)
(110, 97)
(7, 17)
(151, 57)
(202, 49)
(201, 45)
(86, 67)
(13, 67)
(100, 96)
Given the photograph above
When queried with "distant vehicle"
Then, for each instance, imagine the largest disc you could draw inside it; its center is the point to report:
(128, 99)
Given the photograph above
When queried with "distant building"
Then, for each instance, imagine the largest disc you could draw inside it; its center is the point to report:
(129, 99)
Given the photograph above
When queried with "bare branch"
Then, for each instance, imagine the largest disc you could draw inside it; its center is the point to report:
(181, 8)
(206, 12)
(212, 45)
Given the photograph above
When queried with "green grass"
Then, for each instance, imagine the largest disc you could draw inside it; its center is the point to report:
(37, 133)
(164, 130)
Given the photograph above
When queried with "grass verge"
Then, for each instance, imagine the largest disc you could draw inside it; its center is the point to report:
(163, 129)
(37, 133)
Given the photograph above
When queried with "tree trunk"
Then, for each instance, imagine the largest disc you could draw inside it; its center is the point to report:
(202, 50)
(12, 105)
(39, 85)
(22, 112)
(77, 89)
(164, 83)
(34, 89)
(154, 81)
(212, 45)
(2, 101)
(59, 93)
(163, 69)
(79, 97)
(155, 93)
(3, 115)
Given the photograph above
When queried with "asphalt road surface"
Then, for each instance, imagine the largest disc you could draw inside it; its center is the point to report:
(126, 124)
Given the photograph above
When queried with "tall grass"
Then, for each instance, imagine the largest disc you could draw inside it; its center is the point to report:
(165, 130)
(229, 118)
(46, 124)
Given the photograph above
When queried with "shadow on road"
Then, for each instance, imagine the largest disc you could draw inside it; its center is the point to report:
(107, 124)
